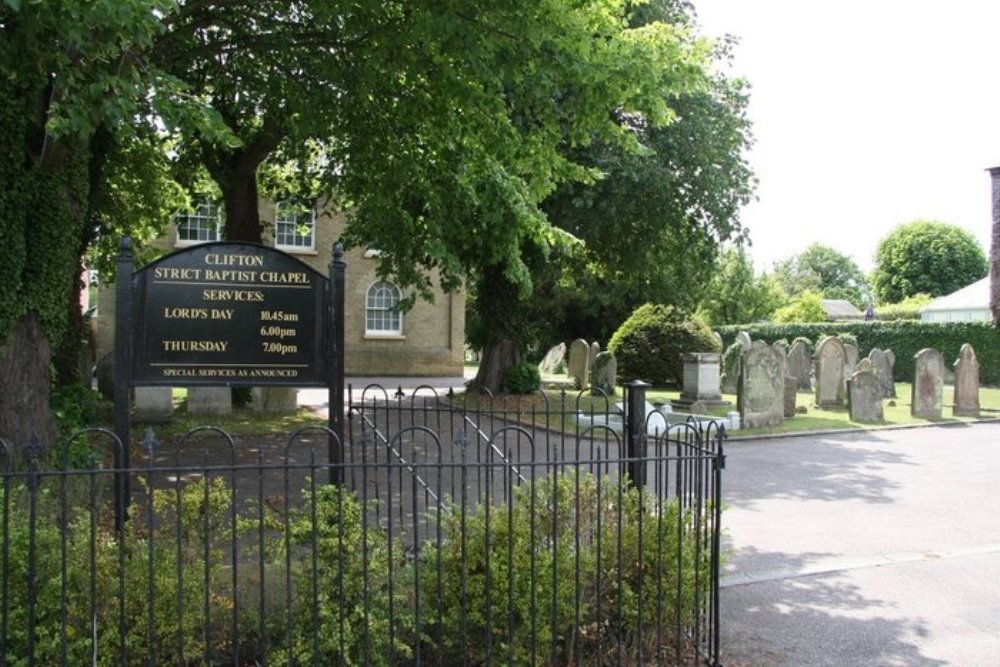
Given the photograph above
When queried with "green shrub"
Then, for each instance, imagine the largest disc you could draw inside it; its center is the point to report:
(522, 378)
(806, 307)
(904, 338)
(649, 344)
(907, 309)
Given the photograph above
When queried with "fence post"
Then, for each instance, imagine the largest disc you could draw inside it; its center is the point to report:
(635, 432)
(336, 380)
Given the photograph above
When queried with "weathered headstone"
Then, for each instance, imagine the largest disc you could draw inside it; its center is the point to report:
(595, 349)
(552, 360)
(791, 394)
(928, 384)
(891, 356)
(275, 400)
(701, 381)
(209, 400)
(798, 364)
(781, 345)
(761, 395)
(829, 362)
(579, 362)
(865, 365)
(154, 404)
(731, 368)
(966, 383)
(718, 340)
(743, 338)
(852, 354)
(864, 396)
(883, 371)
(604, 374)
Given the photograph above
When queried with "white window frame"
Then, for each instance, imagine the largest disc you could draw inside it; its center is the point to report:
(378, 310)
(202, 213)
(296, 220)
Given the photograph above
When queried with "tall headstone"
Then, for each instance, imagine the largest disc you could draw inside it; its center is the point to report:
(799, 364)
(743, 338)
(595, 349)
(579, 362)
(791, 395)
(731, 368)
(604, 374)
(552, 360)
(966, 383)
(154, 404)
(761, 395)
(781, 345)
(928, 384)
(718, 340)
(864, 396)
(852, 354)
(883, 371)
(829, 362)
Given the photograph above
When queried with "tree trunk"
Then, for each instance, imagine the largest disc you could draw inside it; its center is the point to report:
(240, 198)
(498, 357)
(24, 394)
(995, 249)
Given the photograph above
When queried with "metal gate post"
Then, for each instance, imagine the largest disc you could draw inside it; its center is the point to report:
(124, 335)
(336, 379)
(635, 432)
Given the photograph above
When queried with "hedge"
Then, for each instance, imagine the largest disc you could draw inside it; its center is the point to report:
(904, 338)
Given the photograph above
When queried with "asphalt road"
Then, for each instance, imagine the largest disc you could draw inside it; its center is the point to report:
(864, 549)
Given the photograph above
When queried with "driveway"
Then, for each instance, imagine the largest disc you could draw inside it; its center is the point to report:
(864, 549)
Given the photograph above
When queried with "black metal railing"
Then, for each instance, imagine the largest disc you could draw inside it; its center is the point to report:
(461, 535)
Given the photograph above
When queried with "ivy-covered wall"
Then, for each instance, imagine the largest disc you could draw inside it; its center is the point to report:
(905, 339)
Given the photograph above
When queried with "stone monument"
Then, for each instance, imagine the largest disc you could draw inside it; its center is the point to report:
(798, 363)
(553, 359)
(926, 397)
(829, 362)
(966, 383)
(761, 394)
(579, 362)
(604, 374)
(701, 381)
(864, 396)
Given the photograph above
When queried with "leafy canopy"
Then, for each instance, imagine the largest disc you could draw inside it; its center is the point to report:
(806, 307)
(926, 256)
(737, 294)
(826, 270)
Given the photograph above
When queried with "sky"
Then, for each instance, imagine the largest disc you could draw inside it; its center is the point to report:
(867, 114)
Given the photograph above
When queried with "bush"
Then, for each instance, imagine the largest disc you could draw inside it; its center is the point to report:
(806, 307)
(649, 344)
(904, 338)
(523, 378)
(907, 309)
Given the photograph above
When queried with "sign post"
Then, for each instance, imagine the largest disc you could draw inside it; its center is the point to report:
(228, 314)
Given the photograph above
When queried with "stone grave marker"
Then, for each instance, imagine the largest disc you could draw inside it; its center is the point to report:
(798, 364)
(781, 345)
(604, 374)
(701, 381)
(829, 362)
(154, 404)
(864, 396)
(579, 362)
(926, 397)
(718, 340)
(209, 401)
(595, 349)
(743, 338)
(731, 368)
(552, 360)
(852, 354)
(791, 394)
(865, 365)
(966, 383)
(761, 394)
(883, 371)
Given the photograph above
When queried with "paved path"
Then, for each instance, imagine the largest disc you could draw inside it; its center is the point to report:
(864, 549)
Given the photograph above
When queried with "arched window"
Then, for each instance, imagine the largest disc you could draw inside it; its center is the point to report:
(382, 317)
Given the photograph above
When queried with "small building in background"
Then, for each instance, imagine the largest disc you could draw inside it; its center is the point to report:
(969, 304)
(839, 310)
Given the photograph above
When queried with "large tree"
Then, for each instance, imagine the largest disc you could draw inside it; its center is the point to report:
(738, 294)
(823, 269)
(927, 257)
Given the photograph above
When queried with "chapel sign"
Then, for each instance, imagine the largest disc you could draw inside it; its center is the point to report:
(230, 314)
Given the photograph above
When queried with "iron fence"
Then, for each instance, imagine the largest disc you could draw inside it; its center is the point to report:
(461, 534)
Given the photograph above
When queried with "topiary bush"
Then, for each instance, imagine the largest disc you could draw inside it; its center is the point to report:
(649, 344)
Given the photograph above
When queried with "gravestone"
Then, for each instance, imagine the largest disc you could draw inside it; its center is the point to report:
(743, 338)
(701, 381)
(717, 337)
(865, 365)
(926, 397)
(781, 345)
(761, 394)
(604, 374)
(595, 349)
(864, 396)
(966, 383)
(154, 404)
(579, 362)
(852, 354)
(275, 400)
(791, 394)
(730, 376)
(829, 362)
(552, 360)
(883, 371)
(798, 364)
(210, 401)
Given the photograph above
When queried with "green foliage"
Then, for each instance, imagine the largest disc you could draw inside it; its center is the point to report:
(523, 378)
(806, 307)
(736, 293)
(907, 309)
(731, 361)
(825, 270)
(618, 538)
(926, 257)
(649, 344)
(75, 407)
(904, 338)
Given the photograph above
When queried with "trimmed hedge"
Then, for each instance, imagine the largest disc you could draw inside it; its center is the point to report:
(904, 338)
(649, 344)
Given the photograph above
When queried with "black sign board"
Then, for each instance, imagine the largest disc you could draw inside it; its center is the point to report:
(230, 314)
